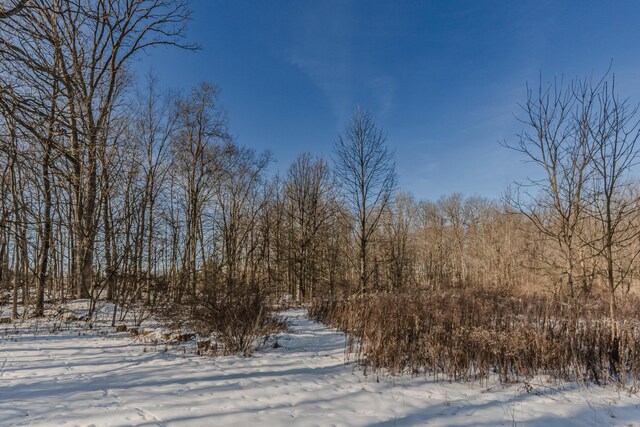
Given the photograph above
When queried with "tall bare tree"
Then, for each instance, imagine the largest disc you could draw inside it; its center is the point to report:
(309, 190)
(64, 69)
(240, 200)
(614, 205)
(557, 139)
(200, 149)
(365, 171)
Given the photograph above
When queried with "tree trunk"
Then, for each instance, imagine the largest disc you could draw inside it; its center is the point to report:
(46, 235)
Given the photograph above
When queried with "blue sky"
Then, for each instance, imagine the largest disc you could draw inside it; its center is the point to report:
(443, 78)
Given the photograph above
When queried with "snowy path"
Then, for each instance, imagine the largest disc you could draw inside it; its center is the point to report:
(92, 380)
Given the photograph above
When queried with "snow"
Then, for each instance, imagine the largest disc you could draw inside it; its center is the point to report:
(80, 377)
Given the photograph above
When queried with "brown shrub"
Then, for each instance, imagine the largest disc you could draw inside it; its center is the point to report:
(236, 319)
(467, 335)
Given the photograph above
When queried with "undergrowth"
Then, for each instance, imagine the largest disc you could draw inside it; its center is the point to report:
(470, 336)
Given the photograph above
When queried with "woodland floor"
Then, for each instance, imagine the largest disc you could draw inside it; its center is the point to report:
(97, 377)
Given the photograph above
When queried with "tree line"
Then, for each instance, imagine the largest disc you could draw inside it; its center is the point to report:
(115, 189)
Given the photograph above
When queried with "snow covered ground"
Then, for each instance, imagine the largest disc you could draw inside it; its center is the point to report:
(85, 378)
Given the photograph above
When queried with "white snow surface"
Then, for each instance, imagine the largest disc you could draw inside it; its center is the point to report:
(88, 379)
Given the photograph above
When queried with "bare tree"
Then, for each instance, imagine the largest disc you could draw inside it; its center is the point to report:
(615, 207)
(365, 171)
(155, 125)
(309, 191)
(557, 139)
(200, 148)
(400, 248)
(240, 200)
(64, 68)
(104, 36)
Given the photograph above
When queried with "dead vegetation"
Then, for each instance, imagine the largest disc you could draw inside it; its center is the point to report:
(471, 336)
(236, 318)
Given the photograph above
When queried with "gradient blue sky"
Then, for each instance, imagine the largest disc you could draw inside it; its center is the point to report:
(443, 78)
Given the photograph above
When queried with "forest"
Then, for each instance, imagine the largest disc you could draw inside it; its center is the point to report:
(116, 189)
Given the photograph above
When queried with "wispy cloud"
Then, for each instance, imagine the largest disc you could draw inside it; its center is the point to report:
(324, 46)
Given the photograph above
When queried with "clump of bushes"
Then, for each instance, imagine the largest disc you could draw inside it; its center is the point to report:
(471, 335)
(237, 317)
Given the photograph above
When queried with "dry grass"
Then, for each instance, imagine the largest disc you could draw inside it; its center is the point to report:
(465, 335)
